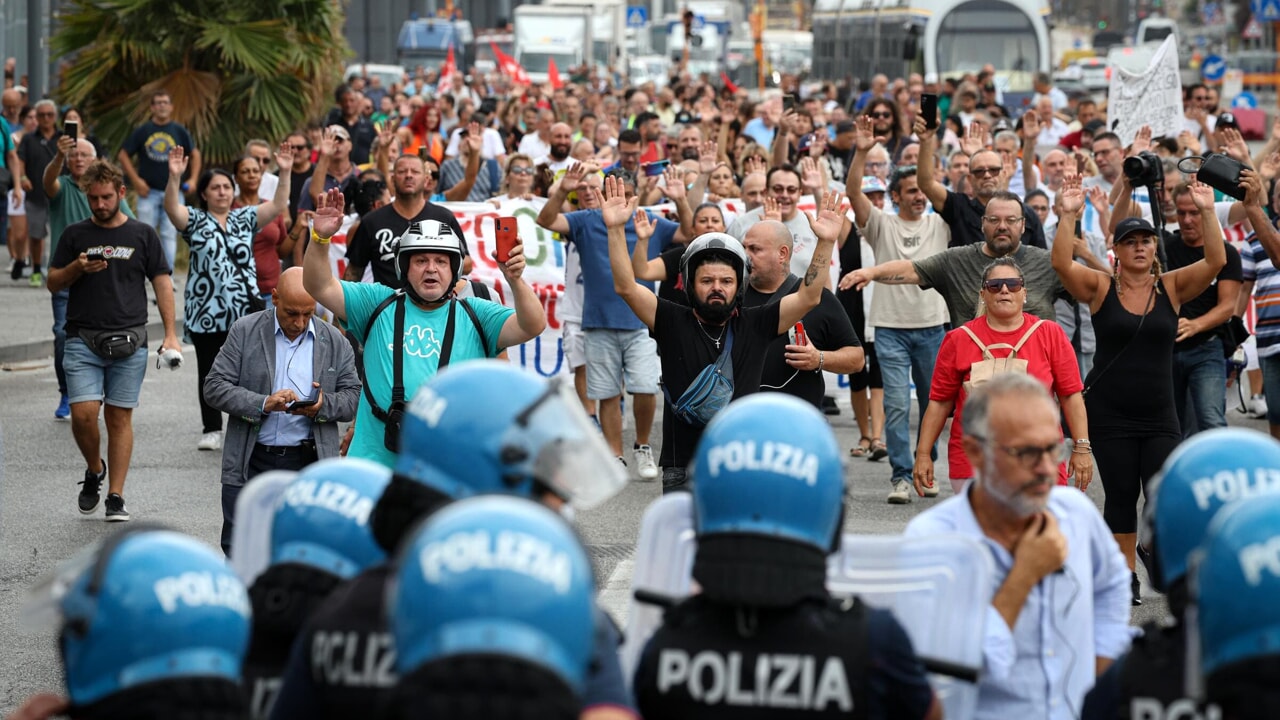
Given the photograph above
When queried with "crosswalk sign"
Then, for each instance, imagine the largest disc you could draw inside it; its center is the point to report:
(637, 17)
(1265, 10)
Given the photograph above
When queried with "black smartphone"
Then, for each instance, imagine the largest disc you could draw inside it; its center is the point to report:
(788, 103)
(305, 402)
(71, 130)
(929, 110)
(655, 168)
(95, 256)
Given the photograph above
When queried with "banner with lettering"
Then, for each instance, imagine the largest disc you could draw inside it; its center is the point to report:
(1152, 97)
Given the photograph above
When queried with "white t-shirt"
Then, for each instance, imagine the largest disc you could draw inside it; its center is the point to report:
(892, 238)
(491, 148)
(571, 302)
(533, 146)
(804, 242)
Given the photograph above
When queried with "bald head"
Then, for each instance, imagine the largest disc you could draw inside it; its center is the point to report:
(294, 307)
(12, 101)
(768, 244)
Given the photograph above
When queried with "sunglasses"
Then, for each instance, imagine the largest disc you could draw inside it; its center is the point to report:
(522, 171)
(880, 115)
(299, 148)
(984, 172)
(995, 285)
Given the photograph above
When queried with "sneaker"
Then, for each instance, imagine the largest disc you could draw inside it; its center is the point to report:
(210, 441)
(37, 280)
(64, 409)
(89, 493)
(1135, 587)
(15, 270)
(931, 492)
(116, 511)
(645, 467)
(829, 406)
(901, 493)
(1258, 406)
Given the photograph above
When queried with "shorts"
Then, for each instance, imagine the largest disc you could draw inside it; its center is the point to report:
(37, 221)
(869, 376)
(94, 379)
(615, 355)
(575, 348)
(16, 209)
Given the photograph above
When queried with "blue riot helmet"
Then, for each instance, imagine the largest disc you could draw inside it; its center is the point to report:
(490, 582)
(322, 519)
(487, 426)
(768, 499)
(1203, 474)
(143, 611)
(1235, 580)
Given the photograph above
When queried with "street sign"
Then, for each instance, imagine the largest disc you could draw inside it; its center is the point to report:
(1265, 10)
(1252, 30)
(700, 22)
(637, 17)
(1212, 68)
(1245, 100)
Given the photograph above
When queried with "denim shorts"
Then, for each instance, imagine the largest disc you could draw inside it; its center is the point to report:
(617, 355)
(94, 379)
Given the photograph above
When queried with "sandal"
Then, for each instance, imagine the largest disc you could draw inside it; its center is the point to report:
(862, 448)
(878, 450)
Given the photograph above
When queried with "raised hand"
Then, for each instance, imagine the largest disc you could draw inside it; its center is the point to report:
(920, 128)
(328, 142)
(1270, 166)
(810, 174)
(329, 213)
(1233, 144)
(771, 210)
(753, 165)
(829, 220)
(1254, 191)
(572, 178)
(864, 136)
(643, 225)
(1098, 198)
(1141, 141)
(674, 184)
(1071, 196)
(615, 210)
(708, 155)
(1030, 127)
(475, 137)
(284, 156)
(1202, 195)
(513, 268)
(177, 161)
(66, 144)
(975, 138)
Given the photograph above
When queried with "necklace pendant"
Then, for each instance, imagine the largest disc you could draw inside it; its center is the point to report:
(717, 344)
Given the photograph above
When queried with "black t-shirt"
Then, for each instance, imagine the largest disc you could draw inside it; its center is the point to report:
(296, 181)
(851, 299)
(378, 237)
(1181, 255)
(817, 661)
(963, 215)
(361, 131)
(827, 327)
(687, 346)
(671, 288)
(151, 144)
(116, 298)
(36, 152)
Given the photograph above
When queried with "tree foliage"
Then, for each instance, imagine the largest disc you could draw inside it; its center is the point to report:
(236, 69)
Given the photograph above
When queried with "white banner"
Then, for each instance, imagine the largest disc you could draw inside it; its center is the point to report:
(1153, 97)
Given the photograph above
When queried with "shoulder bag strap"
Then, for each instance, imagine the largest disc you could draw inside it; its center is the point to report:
(724, 363)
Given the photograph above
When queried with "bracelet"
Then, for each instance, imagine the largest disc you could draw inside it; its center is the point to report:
(317, 238)
(1082, 451)
(1081, 441)
(821, 360)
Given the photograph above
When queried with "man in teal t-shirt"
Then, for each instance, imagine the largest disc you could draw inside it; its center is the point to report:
(429, 259)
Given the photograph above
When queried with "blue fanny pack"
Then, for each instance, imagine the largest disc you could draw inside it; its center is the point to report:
(710, 392)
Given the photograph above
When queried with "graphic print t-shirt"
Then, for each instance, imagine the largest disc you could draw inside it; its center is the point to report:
(150, 144)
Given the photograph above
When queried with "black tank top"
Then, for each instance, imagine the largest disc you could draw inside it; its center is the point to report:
(1129, 391)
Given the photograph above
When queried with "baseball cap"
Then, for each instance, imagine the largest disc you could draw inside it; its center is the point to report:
(845, 126)
(1227, 119)
(340, 131)
(805, 141)
(1093, 126)
(1130, 226)
(872, 184)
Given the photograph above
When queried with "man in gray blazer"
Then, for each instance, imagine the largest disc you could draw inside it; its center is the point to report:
(285, 381)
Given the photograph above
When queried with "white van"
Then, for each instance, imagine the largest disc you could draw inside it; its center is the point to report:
(1154, 30)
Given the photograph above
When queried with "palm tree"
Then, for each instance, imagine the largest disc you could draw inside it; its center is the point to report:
(235, 69)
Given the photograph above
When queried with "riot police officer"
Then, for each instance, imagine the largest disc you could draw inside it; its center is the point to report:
(764, 638)
(153, 626)
(1234, 589)
(1202, 475)
(466, 648)
(480, 427)
(319, 538)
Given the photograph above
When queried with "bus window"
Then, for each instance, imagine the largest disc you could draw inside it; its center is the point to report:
(987, 31)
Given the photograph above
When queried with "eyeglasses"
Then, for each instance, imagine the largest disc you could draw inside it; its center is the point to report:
(785, 189)
(995, 285)
(522, 171)
(877, 165)
(880, 115)
(299, 148)
(1011, 222)
(984, 171)
(1029, 455)
(434, 174)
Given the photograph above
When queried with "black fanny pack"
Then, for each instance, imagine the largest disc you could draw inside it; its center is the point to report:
(115, 344)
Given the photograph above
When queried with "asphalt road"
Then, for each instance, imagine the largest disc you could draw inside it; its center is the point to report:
(172, 483)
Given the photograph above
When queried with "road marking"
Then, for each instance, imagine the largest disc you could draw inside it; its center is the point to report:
(615, 596)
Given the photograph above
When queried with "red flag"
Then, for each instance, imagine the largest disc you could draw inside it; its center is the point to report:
(447, 71)
(553, 74)
(727, 82)
(510, 67)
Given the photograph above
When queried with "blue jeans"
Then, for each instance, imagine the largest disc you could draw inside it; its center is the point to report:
(150, 211)
(1200, 379)
(59, 301)
(905, 355)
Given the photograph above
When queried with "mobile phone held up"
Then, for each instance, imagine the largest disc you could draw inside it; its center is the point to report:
(71, 130)
(656, 168)
(788, 103)
(506, 237)
(929, 110)
(797, 335)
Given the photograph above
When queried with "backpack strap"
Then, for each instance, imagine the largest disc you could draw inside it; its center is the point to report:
(986, 353)
(397, 349)
(1025, 337)
(446, 351)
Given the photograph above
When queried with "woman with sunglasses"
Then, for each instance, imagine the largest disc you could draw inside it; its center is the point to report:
(1129, 392)
(517, 184)
(1002, 330)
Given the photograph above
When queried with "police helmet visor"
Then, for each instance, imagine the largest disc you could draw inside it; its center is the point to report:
(567, 452)
(42, 605)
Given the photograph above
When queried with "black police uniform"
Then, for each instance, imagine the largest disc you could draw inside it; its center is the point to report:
(1147, 682)
(817, 658)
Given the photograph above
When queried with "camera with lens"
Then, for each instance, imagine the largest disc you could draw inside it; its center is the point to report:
(1144, 170)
